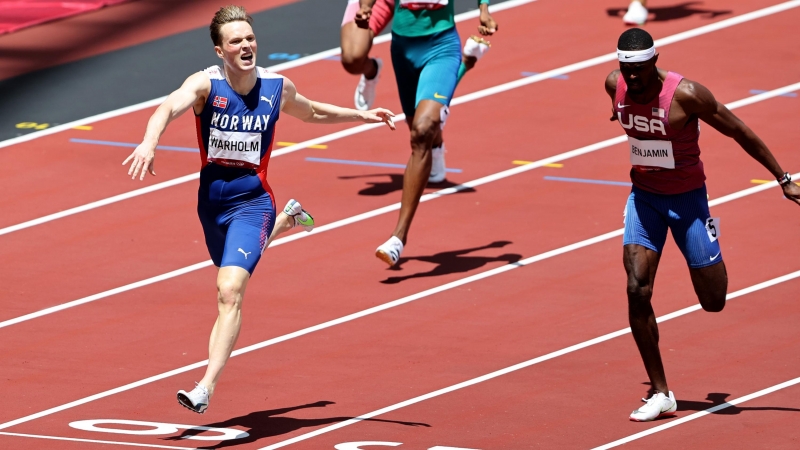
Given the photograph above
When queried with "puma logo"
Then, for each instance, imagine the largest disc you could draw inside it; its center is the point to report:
(268, 100)
(244, 253)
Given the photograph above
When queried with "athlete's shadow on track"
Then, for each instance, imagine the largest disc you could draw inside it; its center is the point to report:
(394, 184)
(263, 424)
(717, 398)
(454, 262)
(679, 11)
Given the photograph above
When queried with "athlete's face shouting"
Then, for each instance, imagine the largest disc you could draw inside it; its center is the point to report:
(639, 75)
(238, 48)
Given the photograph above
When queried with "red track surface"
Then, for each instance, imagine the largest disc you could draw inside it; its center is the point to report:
(579, 400)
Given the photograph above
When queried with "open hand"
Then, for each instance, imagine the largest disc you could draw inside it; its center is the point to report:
(379, 115)
(143, 158)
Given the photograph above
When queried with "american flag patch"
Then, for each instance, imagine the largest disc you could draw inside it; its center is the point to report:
(658, 112)
(222, 102)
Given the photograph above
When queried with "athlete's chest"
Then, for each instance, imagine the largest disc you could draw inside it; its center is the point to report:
(255, 112)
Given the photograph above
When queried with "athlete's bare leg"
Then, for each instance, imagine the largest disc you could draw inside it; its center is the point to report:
(283, 224)
(640, 265)
(711, 286)
(356, 43)
(231, 284)
(426, 131)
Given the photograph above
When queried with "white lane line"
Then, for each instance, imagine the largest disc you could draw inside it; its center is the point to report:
(99, 203)
(276, 68)
(108, 293)
(699, 414)
(517, 367)
(92, 441)
(613, 56)
(366, 127)
(386, 209)
(399, 302)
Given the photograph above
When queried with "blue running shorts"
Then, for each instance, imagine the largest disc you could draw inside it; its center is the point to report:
(237, 215)
(648, 216)
(426, 68)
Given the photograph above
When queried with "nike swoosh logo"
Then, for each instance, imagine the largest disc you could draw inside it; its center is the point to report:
(715, 256)
(436, 95)
(620, 105)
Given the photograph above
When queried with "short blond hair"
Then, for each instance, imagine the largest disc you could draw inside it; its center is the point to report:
(227, 14)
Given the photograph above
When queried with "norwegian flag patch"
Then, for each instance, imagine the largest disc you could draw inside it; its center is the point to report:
(220, 102)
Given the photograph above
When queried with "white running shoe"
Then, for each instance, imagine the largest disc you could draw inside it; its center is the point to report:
(196, 400)
(659, 405)
(390, 251)
(301, 216)
(438, 169)
(365, 91)
(476, 47)
(636, 15)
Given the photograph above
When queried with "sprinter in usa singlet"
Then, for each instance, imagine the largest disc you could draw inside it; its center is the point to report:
(660, 112)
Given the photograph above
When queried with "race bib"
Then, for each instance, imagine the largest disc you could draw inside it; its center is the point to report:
(416, 5)
(712, 228)
(235, 148)
(651, 153)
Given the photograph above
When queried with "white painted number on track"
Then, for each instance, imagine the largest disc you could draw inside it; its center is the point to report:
(358, 445)
(157, 428)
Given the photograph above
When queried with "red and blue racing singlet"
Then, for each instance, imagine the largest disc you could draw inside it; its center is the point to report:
(236, 130)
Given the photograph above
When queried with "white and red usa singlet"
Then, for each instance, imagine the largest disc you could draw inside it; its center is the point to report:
(664, 160)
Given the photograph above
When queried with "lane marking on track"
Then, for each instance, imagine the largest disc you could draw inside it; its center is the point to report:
(520, 366)
(92, 441)
(276, 68)
(368, 163)
(699, 414)
(364, 216)
(402, 301)
(287, 144)
(132, 145)
(519, 162)
(366, 127)
(586, 180)
(758, 91)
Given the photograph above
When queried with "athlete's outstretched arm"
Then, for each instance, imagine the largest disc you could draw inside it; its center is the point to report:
(193, 92)
(296, 105)
(696, 99)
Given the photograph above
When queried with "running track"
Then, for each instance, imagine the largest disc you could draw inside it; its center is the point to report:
(317, 380)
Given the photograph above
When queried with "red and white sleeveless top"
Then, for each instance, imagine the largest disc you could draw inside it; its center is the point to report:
(665, 161)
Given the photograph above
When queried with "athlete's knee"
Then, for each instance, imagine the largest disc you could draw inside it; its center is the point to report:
(711, 286)
(713, 302)
(353, 63)
(640, 291)
(229, 293)
(424, 130)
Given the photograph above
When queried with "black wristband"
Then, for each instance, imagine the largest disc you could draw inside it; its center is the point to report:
(785, 179)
